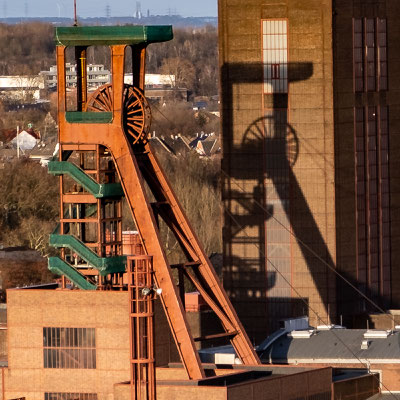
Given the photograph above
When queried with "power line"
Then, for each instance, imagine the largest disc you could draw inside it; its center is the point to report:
(295, 290)
(301, 242)
(310, 308)
(315, 254)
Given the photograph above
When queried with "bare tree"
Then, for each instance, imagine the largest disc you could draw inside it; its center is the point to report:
(181, 72)
(28, 205)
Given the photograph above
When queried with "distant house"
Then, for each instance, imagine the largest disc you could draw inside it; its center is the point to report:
(160, 145)
(25, 140)
(43, 152)
(176, 145)
(158, 87)
(154, 80)
(206, 145)
(23, 88)
(181, 145)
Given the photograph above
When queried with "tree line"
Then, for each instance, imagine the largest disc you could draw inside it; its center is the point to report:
(28, 214)
(28, 48)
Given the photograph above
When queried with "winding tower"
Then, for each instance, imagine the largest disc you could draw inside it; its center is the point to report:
(104, 155)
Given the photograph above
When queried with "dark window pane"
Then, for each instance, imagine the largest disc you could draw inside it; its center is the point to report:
(370, 27)
(357, 25)
(381, 25)
(69, 348)
(358, 41)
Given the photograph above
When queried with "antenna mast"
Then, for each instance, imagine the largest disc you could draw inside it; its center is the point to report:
(75, 15)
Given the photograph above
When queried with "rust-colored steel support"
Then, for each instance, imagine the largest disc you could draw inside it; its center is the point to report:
(141, 316)
(124, 136)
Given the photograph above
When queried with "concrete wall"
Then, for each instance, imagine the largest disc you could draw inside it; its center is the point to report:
(259, 293)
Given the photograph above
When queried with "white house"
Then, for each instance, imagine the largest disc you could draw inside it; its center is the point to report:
(153, 80)
(24, 140)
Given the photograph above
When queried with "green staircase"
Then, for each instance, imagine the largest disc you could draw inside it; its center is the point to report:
(60, 267)
(105, 265)
(98, 190)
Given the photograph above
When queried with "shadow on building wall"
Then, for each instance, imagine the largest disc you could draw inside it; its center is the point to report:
(262, 197)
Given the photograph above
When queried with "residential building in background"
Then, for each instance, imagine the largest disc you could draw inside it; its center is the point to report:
(310, 175)
(21, 87)
(98, 75)
(158, 87)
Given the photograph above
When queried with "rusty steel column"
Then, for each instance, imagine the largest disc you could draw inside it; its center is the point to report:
(141, 332)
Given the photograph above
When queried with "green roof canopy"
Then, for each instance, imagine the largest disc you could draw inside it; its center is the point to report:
(109, 35)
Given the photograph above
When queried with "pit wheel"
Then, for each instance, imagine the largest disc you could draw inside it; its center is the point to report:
(136, 113)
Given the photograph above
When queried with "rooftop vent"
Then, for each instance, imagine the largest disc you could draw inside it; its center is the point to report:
(301, 334)
(329, 327)
(295, 324)
(376, 334)
(365, 344)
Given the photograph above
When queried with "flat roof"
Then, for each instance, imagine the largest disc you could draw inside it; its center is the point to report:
(112, 35)
(334, 345)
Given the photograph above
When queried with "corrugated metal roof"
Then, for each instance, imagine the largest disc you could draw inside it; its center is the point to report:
(334, 344)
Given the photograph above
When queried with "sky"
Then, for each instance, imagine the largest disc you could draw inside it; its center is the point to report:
(97, 8)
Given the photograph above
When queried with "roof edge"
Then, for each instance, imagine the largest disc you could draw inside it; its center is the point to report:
(112, 35)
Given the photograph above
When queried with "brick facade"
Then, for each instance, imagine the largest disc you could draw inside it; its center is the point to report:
(306, 206)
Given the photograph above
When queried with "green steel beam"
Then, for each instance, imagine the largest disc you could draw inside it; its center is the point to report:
(96, 189)
(88, 117)
(105, 265)
(112, 35)
(60, 267)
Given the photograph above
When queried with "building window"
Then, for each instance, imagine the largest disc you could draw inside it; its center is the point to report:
(70, 396)
(69, 348)
(275, 56)
(373, 199)
(370, 54)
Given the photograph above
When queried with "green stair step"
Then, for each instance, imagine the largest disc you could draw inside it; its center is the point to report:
(60, 267)
(105, 265)
(98, 190)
